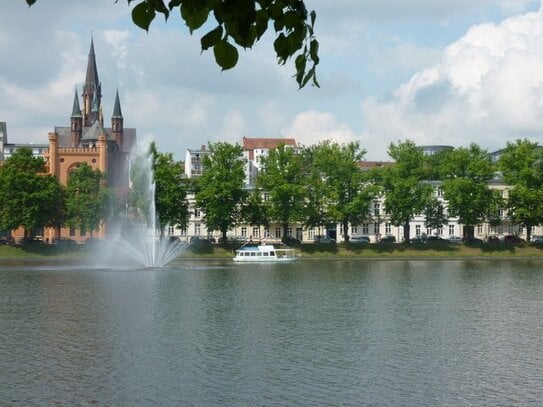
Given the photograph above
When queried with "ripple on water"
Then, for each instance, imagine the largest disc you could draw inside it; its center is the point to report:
(332, 333)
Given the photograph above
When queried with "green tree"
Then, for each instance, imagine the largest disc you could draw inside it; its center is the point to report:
(349, 194)
(220, 189)
(435, 216)
(170, 190)
(29, 197)
(282, 175)
(406, 195)
(316, 202)
(465, 173)
(240, 24)
(522, 166)
(254, 210)
(86, 198)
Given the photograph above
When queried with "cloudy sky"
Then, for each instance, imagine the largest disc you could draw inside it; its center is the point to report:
(437, 72)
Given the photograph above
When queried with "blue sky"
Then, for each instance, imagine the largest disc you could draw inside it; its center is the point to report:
(440, 72)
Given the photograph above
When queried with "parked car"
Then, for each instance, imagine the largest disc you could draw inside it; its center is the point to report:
(537, 239)
(388, 239)
(199, 240)
(31, 240)
(454, 239)
(359, 239)
(322, 239)
(417, 239)
(7, 240)
(291, 241)
(65, 242)
(493, 239)
(512, 239)
(471, 240)
(436, 239)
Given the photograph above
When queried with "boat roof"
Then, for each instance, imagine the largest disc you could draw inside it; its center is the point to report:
(257, 248)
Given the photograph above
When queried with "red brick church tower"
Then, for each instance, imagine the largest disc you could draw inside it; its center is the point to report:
(87, 140)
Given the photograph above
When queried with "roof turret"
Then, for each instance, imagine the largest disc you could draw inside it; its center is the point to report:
(76, 109)
(117, 114)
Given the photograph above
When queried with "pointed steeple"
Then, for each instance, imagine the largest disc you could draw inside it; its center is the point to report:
(76, 122)
(92, 72)
(76, 110)
(117, 126)
(92, 90)
(117, 114)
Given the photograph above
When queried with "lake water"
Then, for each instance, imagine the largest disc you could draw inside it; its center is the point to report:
(312, 333)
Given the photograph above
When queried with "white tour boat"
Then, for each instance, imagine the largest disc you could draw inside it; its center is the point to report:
(265, 253)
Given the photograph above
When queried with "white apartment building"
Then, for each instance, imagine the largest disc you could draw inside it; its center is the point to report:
(377, 225)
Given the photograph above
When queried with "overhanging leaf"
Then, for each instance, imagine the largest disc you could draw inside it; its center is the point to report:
(211, 38)
(143, 15)
(226, 55)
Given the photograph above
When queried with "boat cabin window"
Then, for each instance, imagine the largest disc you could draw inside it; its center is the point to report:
(259, 254)
(266, 254)
(253, 254)
(272, 253)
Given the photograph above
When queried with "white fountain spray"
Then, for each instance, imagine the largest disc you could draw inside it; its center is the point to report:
(137, 233)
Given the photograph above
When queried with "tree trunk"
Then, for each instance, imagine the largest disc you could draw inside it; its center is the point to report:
(346, 231)
(528, 232)
(285, 232)
(406, 232)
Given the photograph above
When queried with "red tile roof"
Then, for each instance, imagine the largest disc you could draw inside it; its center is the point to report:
(251, 143)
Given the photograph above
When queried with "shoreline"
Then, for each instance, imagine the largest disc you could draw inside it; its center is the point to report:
(309, 252)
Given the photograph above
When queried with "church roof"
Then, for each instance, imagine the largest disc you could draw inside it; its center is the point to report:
(94, 132)
(65, 137)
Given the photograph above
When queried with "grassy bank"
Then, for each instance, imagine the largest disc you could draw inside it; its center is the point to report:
(388, 251)
(312, 251)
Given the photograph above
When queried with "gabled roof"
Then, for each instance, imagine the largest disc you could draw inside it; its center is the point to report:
(250, 143)
(94, 131)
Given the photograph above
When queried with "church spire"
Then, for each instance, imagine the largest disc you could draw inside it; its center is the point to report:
(92, 90)
(92, 72)
(117, 107)
(117, 125)
(76, 122)
(76, 109)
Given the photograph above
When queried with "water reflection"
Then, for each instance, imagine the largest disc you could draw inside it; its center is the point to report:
(309, 333)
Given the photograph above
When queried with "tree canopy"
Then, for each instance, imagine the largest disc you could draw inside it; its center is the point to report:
(28, 196)
(282, 176)
(170, 190)
(348, 195)
(86, 198)
(405, 193)
(240, 24)
(219, 190)
(465, 173)
(522, 166)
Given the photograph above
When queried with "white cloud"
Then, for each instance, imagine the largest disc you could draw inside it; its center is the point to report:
(233, 127)
(487, 88)
(312, 127)
(117, 40)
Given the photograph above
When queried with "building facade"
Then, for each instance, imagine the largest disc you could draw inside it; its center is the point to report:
(84, 140)
(378, 223)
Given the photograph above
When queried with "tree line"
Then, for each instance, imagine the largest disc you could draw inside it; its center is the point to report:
(312, 186)
(325, 184)
(33, 199)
